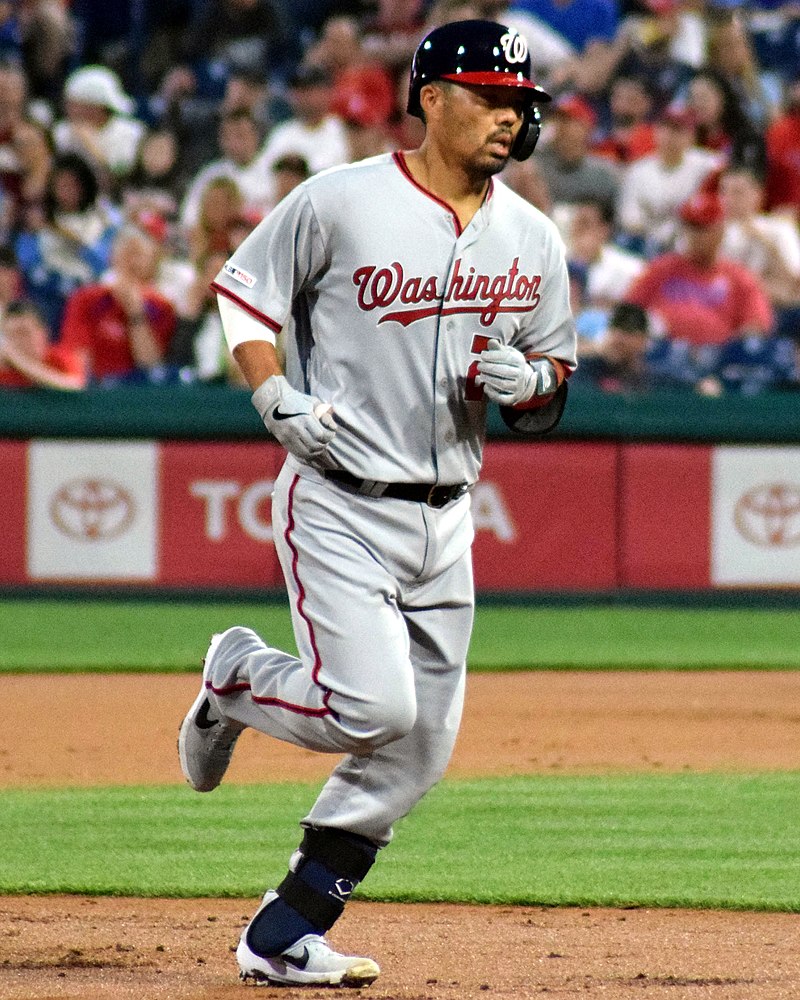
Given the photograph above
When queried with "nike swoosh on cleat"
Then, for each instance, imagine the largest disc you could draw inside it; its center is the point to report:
(202, 721)
(277, 415)
(297, 962)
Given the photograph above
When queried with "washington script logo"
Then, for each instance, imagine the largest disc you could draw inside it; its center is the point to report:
(384, 287)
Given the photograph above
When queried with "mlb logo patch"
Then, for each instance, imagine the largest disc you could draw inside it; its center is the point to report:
(243, 277)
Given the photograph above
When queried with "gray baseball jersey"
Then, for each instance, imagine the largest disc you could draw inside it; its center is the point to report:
(386, 304)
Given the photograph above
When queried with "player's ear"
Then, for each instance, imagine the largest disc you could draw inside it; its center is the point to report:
(431, 97)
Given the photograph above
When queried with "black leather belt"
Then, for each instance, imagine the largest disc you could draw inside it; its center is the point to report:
(433, 494)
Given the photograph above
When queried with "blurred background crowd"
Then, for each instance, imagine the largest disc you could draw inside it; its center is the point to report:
(141, 141)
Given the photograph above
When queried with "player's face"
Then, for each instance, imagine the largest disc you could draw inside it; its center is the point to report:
(481, 123)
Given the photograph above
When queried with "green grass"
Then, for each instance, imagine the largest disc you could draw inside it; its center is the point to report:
(77, 635)
(666, 840)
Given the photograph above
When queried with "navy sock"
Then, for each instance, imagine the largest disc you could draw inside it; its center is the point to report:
(279, 925)
(276, 927)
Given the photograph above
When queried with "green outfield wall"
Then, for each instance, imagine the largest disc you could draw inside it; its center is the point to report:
(215, 412)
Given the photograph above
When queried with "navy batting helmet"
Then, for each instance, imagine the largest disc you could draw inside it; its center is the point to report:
(480, 53)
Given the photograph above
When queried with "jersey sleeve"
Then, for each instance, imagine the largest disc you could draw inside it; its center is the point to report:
(275, 262)
(550, 327)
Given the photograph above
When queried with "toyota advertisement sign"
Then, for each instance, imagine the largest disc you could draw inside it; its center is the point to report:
(554, 516)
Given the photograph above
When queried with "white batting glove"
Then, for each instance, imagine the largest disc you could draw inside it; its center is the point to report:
(508, 378)
(304, 425)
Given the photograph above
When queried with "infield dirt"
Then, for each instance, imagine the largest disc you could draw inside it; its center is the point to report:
(578, 722)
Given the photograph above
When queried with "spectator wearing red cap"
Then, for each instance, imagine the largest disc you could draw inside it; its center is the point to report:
(655, 185)
(570, 171)
(698, 296)
(361, 85)
(366, 126)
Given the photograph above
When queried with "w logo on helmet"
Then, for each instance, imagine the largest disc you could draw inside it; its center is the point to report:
(514, 46)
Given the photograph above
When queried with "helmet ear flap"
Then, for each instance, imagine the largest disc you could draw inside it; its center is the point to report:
(528, 134)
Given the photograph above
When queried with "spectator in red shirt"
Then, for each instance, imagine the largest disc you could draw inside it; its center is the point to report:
(698, 296)
(28, 359)
(121, 327)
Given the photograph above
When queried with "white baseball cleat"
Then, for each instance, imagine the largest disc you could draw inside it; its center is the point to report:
(206, 739)
(309, 962)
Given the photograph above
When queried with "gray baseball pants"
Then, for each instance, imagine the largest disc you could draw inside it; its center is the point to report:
(382, 605)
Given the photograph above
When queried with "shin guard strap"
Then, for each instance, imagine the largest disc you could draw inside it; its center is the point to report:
(339, 852)
(321, 911)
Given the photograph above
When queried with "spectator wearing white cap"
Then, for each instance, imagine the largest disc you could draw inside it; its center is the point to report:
(98, 122)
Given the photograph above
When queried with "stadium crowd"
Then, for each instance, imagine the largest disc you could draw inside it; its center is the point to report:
(140, 142)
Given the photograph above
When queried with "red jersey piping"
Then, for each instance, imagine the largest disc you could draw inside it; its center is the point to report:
(400, 160)
(279, 702)
(251, 310)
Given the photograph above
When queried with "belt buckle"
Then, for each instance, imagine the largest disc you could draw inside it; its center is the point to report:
(439, 496)
(434, 493)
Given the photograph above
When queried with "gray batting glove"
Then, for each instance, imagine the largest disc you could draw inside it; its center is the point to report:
(509, 378)
(304, 425)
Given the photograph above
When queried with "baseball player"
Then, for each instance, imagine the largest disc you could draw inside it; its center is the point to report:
(411, 288)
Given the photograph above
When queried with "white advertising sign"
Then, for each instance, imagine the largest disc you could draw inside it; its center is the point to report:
(755, 516)
(92, 510)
